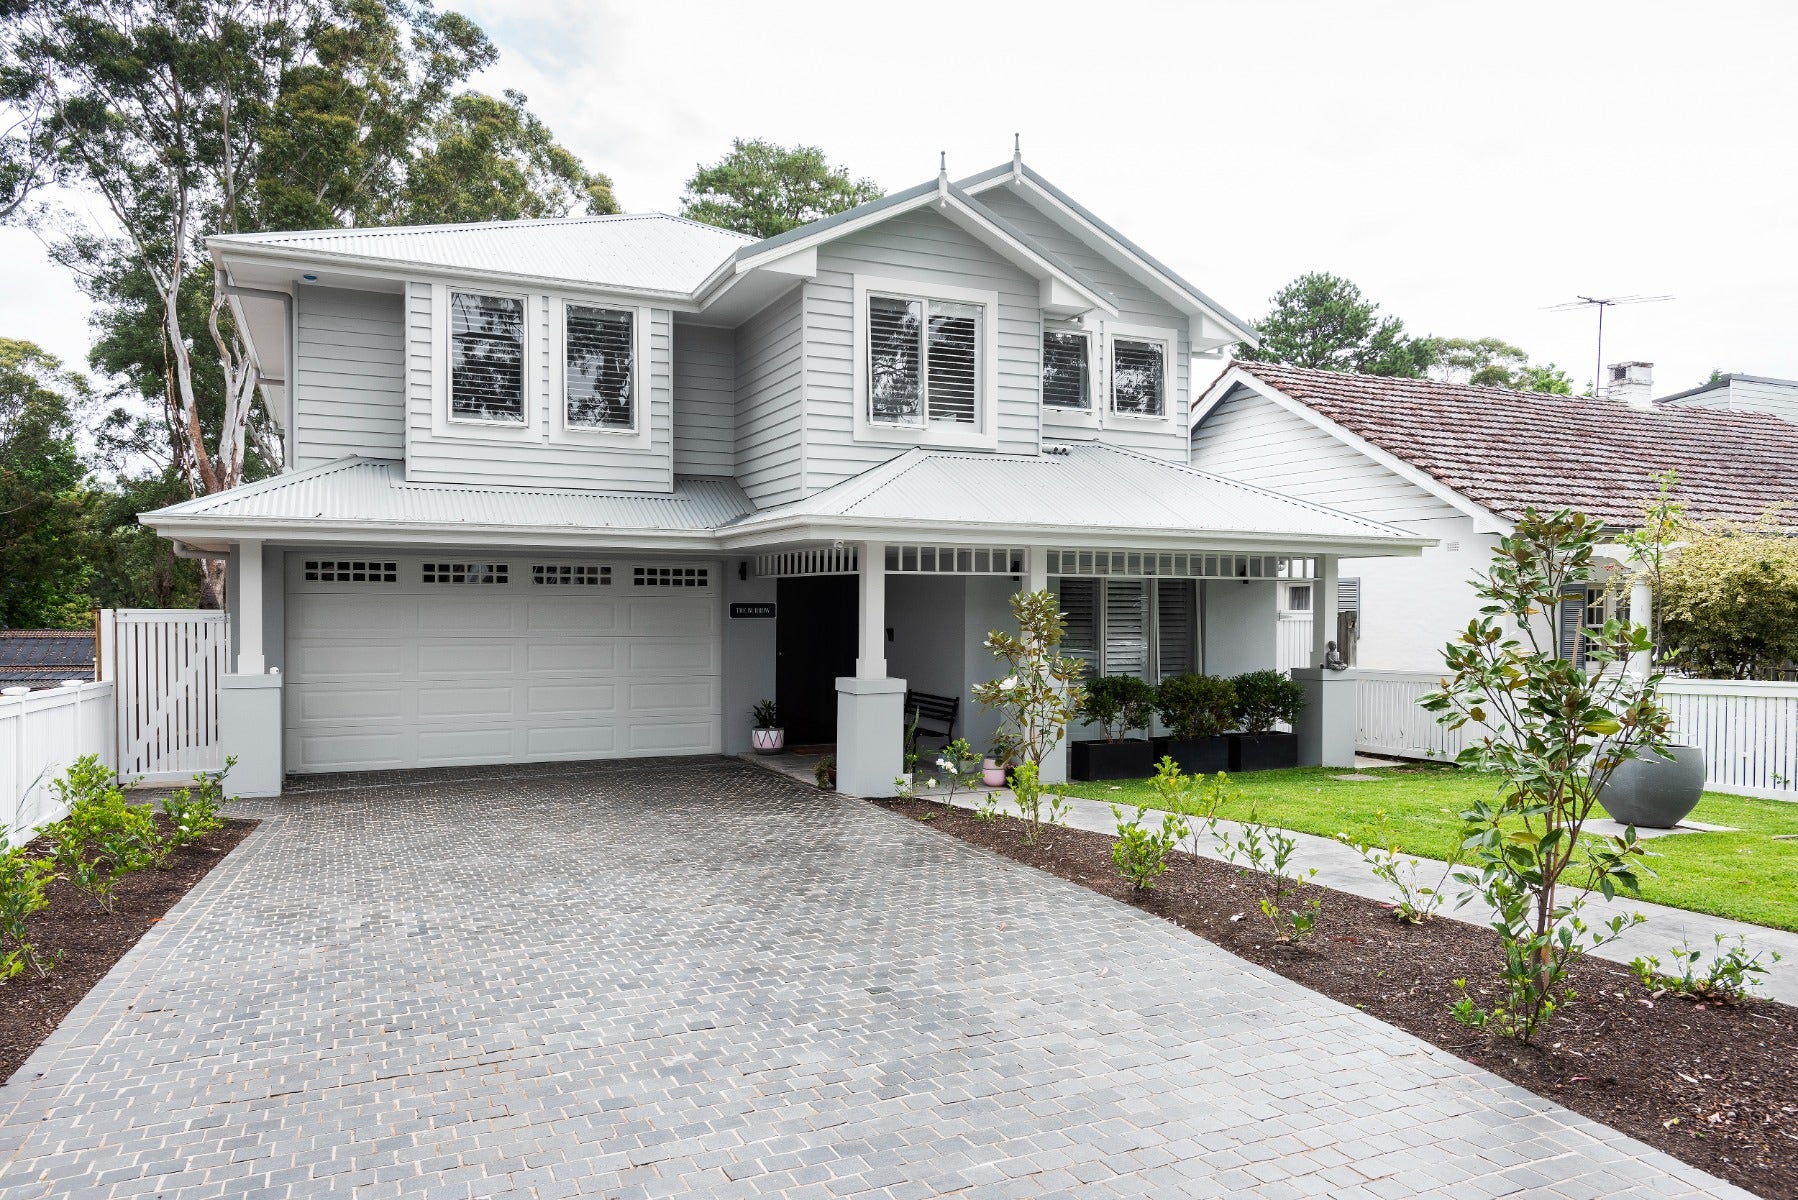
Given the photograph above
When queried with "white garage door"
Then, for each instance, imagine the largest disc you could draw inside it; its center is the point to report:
(406, 661)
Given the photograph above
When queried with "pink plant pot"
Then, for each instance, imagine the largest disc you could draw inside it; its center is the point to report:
(768, 741)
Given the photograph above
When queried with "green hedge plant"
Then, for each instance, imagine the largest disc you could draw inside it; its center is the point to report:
(1196, 706)
(1266, 698)
(22, 883)
(1117, 704)
(104, 837)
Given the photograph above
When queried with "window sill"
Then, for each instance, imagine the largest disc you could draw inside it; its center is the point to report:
(927, 438)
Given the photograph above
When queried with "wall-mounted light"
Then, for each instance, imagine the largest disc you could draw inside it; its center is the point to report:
(743, 570)
(310, 278)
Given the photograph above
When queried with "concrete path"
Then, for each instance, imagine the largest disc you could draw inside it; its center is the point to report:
(693, 978)
(1340, 867)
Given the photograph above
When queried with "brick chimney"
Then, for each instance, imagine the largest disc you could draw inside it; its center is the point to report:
(1631, 382)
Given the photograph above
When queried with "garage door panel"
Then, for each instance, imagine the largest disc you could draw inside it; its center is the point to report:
(586, 656)
(497, 703)
(587, 740)
(658, 656)
(576, 615)
(584, 699)
(663, 695)
(349, 749)
(443, 658)
(462, 614)
(352, 616)
(688, 616)
(444, 747)
(329, 660)
(327, 702)
(673, 737)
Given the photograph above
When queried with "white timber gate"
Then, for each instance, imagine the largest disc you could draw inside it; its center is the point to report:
(165, 665)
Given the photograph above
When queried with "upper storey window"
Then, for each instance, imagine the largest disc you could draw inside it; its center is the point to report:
(600, 362)
(487, 358)
(1138, 377)
(1067, 370)
(923, 361)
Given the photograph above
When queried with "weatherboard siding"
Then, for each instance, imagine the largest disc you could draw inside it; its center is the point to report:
(349, 376)
(1747, 395)
(770, 375)
(928, 248)
(541, 460)
(1136, 305)
(1249, 437)
(705, 401)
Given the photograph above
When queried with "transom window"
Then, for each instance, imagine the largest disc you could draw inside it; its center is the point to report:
(487, 358)
(461, 572)
(1067, 370)
(335, 570)
(923, 362)
(570, 575)
(680, 577)
(598, 367)
(1138, 377)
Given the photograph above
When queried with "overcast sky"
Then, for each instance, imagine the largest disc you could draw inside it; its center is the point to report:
(1467, 164)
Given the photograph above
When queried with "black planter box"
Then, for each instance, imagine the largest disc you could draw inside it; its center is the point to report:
(1132, 758)
(1196, 756)
(1263, 751)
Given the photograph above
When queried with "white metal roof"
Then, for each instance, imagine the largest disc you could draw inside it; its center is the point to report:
(640, 252)
(370, 495)
(1088, 490)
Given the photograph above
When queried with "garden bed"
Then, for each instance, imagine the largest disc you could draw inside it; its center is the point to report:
(1716, 1087)
(88, 942)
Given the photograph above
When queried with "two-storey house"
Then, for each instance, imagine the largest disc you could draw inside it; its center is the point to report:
(591, 487)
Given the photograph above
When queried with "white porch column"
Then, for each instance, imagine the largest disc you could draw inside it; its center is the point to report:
(1054, 768)
(250, 696)
(1641, 612)
(870, 706)
(1327, 726)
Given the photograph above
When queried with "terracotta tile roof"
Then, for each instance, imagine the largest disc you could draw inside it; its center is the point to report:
(1507, 450)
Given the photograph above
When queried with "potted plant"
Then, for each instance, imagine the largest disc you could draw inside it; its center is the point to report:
(996, 763)
(767, 737)
(1117, 704)
(825, 773)
(1263, 700)
(1197, 710)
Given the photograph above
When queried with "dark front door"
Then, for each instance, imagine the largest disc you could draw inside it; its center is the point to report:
(814, 643)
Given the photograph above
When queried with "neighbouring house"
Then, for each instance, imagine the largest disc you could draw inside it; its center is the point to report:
(1459, 464)
(591, 487)
(45, 658)
(1741, 393)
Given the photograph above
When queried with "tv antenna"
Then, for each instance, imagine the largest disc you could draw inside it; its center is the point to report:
(1601, 303)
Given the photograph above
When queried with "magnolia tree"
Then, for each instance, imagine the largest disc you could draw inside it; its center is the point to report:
(1555, 732)
(1036, 698)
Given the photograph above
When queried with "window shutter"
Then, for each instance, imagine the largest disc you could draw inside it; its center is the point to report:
(599, 357)
(1176, 621)
(1348, 595)
(894, 383)
(1138, 377)
(1348, 620)
(1065, 370)
(1127, 628)
(1078, 599)
(1573, 610)
(953, 375)
(486, 357)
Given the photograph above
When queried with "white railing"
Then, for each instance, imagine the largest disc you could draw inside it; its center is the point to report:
(1748, 729)
(1295, 642)
(41, 733)
(166, 665)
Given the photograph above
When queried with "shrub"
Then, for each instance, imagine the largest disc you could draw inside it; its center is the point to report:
(193, 813)
(1265, 698)
(22, 883)
(1268, 851)
(1729, 978)
(1196, 706)
(1728, 602)
(1141, 856)
(1039, 805)
(1194, 797)
(1415, 903)
(764, 714)
(825, 773)
(1040, 691)
(1118, 704)
(104, 837)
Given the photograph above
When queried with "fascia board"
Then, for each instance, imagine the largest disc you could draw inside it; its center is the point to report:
(304, 530)
(1485, 520)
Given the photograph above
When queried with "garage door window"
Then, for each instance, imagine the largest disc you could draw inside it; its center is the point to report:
(455, 572)
(682, 577)
(571, 575)
(335, 570)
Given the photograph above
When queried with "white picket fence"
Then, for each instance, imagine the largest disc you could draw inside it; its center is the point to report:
(166, 665)
(41, 733)
(1747, 729)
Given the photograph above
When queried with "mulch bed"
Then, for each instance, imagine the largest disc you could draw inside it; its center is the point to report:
(89, 942)
(1714, 1086)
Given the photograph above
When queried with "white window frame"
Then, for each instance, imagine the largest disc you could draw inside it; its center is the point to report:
(1289, 590)
(1098, 390)
(1169, 340)
(446, 425)
(638, 435)
(984, 432)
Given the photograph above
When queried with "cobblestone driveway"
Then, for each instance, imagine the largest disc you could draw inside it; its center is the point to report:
(697, 979)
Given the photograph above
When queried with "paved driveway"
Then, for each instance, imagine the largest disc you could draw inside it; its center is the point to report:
(698, 979)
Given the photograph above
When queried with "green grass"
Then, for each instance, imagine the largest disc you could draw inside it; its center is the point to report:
(1747, 876)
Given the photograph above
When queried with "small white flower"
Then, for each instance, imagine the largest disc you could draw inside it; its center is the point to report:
(1008, 683)
(932, 784)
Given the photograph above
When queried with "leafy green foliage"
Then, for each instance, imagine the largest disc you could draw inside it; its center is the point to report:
(1118, 704)
(22, 883)
(824, 774)
(1040, 691)
(958, 766)
(1728, 978)
(763, 189)
(1264, 699)
(489, 158)
(1728, 601)
(1039, 804)
(1494, 362)
(1555, 732)
(104, 836)
(764, 714)
(42, 493)
(194, 812)
(1196, 706)
(1141, 855)
(1321, 320)
(1414, 902)
(1291, 912)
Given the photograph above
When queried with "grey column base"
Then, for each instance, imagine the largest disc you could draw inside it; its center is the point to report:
(870, 735)
(1326, 728)
(250, 731)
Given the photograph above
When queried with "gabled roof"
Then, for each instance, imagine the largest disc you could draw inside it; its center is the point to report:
(363, 496)
(1506, 450)
(1084, 492)
(1723, 382)
(650, 252)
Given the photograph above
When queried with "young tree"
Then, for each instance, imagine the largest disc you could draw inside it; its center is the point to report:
(763, 189)
(1321, 320)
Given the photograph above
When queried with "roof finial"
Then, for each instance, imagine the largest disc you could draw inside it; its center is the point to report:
(942, 177)
(1017, 158)
(942, 162)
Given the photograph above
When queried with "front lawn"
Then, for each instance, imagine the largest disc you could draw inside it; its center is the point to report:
(1746, 876)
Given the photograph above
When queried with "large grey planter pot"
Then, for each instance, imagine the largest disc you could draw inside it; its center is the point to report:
(1655, 792)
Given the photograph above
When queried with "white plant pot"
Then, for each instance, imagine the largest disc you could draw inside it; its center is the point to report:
(768, 741)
